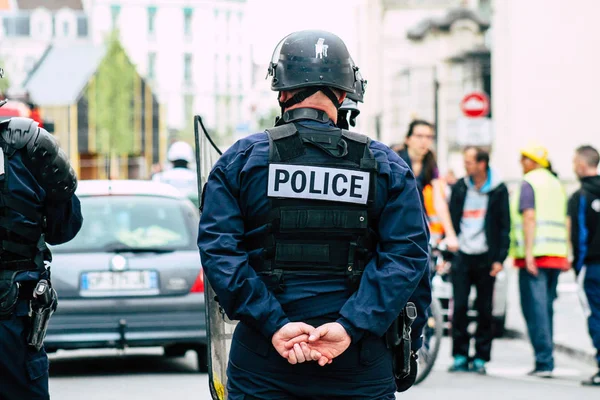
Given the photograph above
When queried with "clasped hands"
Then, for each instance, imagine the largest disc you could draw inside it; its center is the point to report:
(298, 342)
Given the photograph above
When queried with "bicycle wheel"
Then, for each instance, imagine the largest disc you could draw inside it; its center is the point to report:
(432, 338)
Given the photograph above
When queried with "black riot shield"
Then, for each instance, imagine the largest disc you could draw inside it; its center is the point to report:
(219, 327)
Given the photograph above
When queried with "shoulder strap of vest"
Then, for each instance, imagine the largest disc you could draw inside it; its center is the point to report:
(359, 151)
(284, 143)
(357, 137)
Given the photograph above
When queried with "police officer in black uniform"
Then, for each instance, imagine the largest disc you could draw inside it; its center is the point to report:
(312, 237)
(37, 206)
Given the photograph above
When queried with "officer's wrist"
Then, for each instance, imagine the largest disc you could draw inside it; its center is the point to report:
(269, 332)
(355, 333)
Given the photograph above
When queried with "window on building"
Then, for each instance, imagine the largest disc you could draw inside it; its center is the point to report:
(82, 26)
(187, 67)
(187, 21)
(23, 28)
(228, 25)
(66, 28)
(151, 65)
(240, 73)
(115, 10)
(151, 19)
(216, 74)
(228, 69)
(228, 111)
(17, 25)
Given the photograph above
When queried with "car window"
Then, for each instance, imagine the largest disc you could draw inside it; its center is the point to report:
(123, 222)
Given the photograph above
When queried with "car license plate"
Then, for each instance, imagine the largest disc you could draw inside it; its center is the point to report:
(124, 283)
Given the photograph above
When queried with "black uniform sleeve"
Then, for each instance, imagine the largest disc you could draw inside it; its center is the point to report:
(64, 221)
(503, 225)
(572, 212)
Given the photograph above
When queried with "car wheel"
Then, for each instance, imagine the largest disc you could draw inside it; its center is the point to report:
(498, 325)
(175, 351)
(202, 356)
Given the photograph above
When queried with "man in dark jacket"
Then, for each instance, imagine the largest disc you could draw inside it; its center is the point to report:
(584, 216)
(480, 213)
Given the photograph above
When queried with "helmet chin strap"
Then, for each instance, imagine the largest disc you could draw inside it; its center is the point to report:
(305, 94)
(342, 121)
(353, 115)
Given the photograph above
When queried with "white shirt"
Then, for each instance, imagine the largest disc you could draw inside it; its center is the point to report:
(182, 178)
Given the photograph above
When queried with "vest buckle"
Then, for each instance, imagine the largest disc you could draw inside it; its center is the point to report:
(277, 277)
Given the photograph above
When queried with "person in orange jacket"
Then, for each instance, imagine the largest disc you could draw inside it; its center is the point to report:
(420, 158)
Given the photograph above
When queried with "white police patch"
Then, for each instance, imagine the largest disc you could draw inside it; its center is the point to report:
(318, 183)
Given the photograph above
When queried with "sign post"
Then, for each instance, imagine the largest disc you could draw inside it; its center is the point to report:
(475, 105)
(474, 128)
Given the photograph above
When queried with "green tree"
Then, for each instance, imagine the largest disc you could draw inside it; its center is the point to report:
(114, 101)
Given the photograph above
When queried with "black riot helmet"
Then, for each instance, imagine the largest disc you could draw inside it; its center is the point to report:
(315, 60)
(349, 110)
(360, 87)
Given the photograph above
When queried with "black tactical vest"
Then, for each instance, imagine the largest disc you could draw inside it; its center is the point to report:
(321, 219)
(22, 244)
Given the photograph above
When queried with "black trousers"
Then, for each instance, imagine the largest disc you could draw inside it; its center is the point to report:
(469, 270)
(23, 371)
(257, 371)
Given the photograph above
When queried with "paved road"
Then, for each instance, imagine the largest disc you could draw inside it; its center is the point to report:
(145, 374)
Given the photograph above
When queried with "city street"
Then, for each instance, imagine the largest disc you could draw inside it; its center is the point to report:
(150, 154)
(104, 375)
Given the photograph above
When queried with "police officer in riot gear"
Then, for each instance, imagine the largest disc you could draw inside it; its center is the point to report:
(312, 237)
(38, 206)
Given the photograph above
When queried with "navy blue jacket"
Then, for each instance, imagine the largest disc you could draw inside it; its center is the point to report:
(237, 188)
(63, 220)
(584, 210)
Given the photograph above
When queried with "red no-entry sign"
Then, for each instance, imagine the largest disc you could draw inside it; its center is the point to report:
(475, 105)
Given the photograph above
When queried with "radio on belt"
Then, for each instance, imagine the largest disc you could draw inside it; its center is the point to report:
(318, 183)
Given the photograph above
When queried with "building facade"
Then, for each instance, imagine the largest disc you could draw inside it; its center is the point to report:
(107, 128)
(28, 27)
(545, 80)
(423, 56)
(193, 52)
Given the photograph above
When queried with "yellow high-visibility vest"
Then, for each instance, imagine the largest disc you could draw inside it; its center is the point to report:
(550, 217)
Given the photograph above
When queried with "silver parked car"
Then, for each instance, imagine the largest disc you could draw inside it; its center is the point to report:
(442, 290)
(132, 276)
